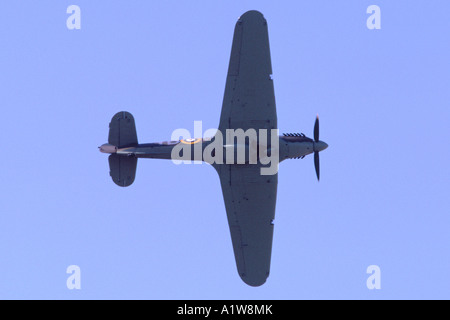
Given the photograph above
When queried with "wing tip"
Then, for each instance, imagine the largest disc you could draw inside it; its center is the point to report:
(251, 14)
(254, 281)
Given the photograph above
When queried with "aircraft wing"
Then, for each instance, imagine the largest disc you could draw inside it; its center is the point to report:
(250, 200)
(249, 99)
(249, 102)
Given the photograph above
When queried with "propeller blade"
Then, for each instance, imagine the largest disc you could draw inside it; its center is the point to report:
(317, 164)
(316, 129)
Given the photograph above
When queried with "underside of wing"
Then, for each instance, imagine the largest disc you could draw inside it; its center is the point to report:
(250, 200)
(249, 103)
(249, 100)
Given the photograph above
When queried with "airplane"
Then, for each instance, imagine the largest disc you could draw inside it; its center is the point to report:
(248, 104)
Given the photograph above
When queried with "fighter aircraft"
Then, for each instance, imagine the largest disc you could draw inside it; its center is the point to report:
(249, 106)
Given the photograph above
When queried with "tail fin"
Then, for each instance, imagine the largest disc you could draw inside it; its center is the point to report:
(122, 133)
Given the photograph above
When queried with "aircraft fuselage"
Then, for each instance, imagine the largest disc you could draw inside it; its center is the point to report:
(289, 147)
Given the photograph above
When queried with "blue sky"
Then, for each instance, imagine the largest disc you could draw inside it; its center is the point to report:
(383, 100)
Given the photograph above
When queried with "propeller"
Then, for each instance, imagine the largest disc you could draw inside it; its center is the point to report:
(316, 129)
(316, 153)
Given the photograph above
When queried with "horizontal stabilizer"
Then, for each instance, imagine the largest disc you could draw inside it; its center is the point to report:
(122, 169)
(122, 130)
